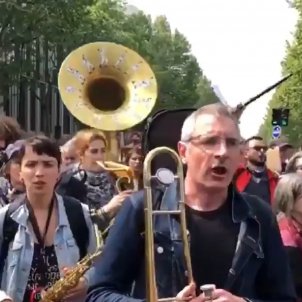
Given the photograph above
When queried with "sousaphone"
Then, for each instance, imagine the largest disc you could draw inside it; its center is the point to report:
(109, 87)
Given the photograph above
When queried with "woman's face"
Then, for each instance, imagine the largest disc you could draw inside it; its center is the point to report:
(95, 152)
(39, 173)
(135, 162)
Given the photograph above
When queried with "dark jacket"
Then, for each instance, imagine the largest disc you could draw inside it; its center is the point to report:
(243, 176)
(260, 269)
(71, 186)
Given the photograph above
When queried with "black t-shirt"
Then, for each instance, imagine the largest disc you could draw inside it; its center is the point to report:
(41, 273)
(213, 238)
(259, 186)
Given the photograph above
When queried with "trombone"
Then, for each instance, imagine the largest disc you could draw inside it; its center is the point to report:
(151, 290)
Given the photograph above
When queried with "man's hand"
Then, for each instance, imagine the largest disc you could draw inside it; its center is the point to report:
(221, 295)
(218, 295)
(187, 294)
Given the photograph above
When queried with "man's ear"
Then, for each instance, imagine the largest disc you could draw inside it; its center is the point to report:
(182, 150)
(244, 151)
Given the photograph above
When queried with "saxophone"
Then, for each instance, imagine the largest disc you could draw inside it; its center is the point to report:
(58, 291)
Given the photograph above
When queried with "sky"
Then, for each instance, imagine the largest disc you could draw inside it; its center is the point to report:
(239, 45)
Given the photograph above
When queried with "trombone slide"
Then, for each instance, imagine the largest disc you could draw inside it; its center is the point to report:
(151, 290)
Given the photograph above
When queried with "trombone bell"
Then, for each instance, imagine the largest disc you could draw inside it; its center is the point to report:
(151, 290)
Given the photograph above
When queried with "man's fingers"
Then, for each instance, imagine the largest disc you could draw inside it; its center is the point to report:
(188, 291)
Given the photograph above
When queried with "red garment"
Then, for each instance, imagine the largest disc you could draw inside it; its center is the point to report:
(243, 177)
(290, 233)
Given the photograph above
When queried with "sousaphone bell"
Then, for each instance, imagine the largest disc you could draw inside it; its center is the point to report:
(107, 86)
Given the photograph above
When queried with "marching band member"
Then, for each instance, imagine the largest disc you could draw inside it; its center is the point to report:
(101, 192)
(234, 238)
(42, 234)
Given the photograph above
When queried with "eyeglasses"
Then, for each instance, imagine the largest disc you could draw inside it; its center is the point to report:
(213, 143)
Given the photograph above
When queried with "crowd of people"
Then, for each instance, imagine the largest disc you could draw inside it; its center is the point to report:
(244, 220)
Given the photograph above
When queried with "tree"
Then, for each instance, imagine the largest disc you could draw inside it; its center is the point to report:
(289, 94)
(35, 37)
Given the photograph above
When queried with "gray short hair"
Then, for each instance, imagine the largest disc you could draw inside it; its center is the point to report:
(216, 109)
(289, 188)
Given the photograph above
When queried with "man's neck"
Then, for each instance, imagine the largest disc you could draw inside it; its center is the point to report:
(40, 201)
(201, 198)
(255, 168)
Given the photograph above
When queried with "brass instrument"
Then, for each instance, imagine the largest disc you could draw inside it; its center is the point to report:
(123, 173)
(107, 86)
(58, 291)
(151, 291)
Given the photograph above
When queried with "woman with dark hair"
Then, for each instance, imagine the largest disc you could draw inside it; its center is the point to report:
(134, 159)
(10, 131)
(288, 201)
(45, 244)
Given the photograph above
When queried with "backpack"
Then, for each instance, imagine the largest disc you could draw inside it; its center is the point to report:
(76, 219)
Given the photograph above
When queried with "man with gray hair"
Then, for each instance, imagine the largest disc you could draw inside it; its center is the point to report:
(235, 244)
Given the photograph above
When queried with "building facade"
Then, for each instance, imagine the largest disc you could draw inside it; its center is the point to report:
(28, 91)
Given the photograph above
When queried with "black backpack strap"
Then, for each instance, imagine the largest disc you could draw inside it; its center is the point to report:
(10, 228)
(77, 224)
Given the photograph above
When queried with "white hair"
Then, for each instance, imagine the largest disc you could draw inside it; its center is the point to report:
(68, 145)
(188, 126)
(216, 109)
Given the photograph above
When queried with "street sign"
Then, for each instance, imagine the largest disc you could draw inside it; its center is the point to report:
(277, 130)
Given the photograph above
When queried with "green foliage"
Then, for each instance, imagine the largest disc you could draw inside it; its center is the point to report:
(39, 27)
(289, 94)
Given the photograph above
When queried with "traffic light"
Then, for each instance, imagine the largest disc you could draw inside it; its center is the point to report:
(280, 117)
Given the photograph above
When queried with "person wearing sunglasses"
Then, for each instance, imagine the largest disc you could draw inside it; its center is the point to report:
(288, 201)
(255, 178)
